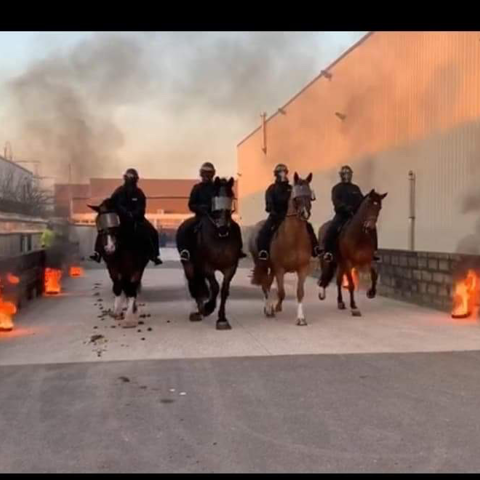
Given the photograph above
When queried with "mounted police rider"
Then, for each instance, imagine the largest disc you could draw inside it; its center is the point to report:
(130, 204)
(347, 198)
(277, 198)
(200, 203)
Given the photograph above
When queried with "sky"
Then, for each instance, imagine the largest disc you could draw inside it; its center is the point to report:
(163, 102)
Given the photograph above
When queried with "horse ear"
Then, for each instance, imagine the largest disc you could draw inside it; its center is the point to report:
(309, 178)
(216, 181)
(295, 177)
(231, 182)
(372, 191)
(383, 196)
(95, 208)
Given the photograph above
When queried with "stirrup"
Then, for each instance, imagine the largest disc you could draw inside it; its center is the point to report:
(185, 256)
(317, 251)
(263, 255)
(328, 257)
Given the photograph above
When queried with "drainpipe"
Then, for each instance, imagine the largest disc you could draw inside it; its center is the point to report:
(411, 216)
(264, 132)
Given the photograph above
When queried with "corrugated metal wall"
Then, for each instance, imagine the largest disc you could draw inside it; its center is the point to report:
(412, 102)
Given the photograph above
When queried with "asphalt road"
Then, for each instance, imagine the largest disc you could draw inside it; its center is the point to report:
(324, 413)
(393, 391)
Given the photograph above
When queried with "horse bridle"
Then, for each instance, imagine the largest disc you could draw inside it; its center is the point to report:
(221, 203)
(301, 191)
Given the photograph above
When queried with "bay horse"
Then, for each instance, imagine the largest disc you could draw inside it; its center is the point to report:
(218, 243)
(290, 250)
(125, 259)
(355, 249)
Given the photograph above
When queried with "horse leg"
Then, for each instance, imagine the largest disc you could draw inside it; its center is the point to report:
(340, 302)
(130, 288)
(351, 289)
(268, 309)
(373, 289)
(118, 302)
(280, 276)
(301, 277)
(222, 322)
(211, 305)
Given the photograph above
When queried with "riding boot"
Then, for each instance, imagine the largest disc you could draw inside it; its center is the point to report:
(96, 257)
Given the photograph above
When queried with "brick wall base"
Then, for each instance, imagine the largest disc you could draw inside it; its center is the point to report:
(423, 278)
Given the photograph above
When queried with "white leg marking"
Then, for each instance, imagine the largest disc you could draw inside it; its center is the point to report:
(117, 305)
(130, 318)
(300, 314)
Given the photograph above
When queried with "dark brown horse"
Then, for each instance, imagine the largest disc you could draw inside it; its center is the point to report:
(290, 251)
(217, 248)
(125, 257)
(355, 249)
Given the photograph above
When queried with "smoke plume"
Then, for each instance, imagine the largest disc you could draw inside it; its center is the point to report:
(153, 100)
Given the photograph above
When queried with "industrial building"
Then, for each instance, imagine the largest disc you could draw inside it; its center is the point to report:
(403, 110)
(394, 103)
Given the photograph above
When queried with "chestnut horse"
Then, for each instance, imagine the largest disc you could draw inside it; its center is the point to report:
(355, 249)
(290, 251)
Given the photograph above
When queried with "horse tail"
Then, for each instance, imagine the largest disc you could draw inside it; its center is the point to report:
(260, 274)
(197, 285)
(327, 274)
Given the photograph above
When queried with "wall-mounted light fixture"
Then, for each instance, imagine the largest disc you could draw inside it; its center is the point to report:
(327, 74)
(341, 116)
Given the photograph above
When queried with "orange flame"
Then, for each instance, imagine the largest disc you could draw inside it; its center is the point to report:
(76, 271)
(7, 310)
(465, 298)
(14, 280)
(354, 277)
(52, 281)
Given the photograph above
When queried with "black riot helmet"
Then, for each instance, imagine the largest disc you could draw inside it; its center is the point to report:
(346, 174)
(207, 172)
(281, 173)
(131, 177)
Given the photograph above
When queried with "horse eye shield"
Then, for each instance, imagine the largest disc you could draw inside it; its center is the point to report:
(222, 203)
(107, 220)
(303, 191)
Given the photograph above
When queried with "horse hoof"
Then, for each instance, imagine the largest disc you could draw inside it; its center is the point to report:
(341, 306)
(371, 294)
(301, 322)
(269, 312)
(356, 312)
(195, 317)
(223, 325)
(322, 295)
(278, 308)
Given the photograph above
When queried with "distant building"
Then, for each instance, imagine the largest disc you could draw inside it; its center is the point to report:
(167, 200)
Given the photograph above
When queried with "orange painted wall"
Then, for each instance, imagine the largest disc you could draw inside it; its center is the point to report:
(409, 98)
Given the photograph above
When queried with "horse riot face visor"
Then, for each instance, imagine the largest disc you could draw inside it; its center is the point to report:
(105, 221)
(303, 191)
(222, 203)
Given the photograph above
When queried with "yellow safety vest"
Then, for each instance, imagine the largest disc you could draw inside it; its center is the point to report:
(48, 237)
